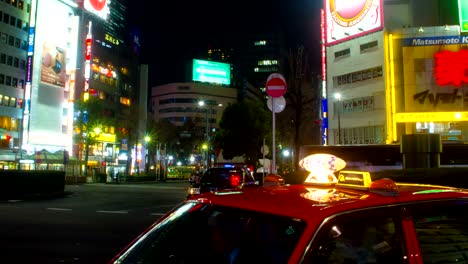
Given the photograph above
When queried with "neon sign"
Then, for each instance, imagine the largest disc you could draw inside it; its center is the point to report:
(451, 68)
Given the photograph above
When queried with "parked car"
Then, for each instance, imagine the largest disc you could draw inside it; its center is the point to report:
(222, 178)
(344, 219)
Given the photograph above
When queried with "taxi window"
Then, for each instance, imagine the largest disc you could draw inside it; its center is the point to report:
(214, 234)
(442, 231)
(369, 236)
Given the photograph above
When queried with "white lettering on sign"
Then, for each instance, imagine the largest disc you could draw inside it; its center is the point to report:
(276, 87)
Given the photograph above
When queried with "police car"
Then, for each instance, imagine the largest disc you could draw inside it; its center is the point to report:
(335, 216)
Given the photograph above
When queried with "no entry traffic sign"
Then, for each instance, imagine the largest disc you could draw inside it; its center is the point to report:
(276, 85)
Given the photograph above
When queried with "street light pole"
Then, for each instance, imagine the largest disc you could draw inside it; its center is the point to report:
(207, 135)
(147, 140)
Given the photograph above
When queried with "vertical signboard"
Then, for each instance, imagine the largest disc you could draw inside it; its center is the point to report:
(463, 15)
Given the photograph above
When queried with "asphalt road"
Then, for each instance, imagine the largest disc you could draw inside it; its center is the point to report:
(89, 224)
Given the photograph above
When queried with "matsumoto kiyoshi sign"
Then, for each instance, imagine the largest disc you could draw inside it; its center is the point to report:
(431, 41)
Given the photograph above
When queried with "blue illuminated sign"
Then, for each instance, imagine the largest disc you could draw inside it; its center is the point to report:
(432, 41)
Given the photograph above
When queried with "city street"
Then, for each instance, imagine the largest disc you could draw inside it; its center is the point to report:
(89, 224)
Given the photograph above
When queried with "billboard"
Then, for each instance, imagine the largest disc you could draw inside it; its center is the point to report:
(433, 74)
(54, 45)
(347, 19)
(463, 15)
(211, 72)
(98, 7)
(53, 65)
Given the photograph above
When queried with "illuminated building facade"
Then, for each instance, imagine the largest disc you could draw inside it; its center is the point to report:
(112, 74)
(14, 26)
(73, 50)
(397, 68)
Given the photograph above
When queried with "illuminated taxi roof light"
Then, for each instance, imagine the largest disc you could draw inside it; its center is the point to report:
(322, 167)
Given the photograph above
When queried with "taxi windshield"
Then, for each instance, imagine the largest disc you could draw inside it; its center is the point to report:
(213, 234)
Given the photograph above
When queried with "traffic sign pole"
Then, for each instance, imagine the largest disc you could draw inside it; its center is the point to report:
(275, 87)
(273, 151)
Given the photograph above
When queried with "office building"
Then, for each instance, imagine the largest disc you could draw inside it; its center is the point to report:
(387, 73)
(14, 26)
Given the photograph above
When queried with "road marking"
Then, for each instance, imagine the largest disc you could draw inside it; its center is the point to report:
(58, 209)
(111, 212)
(158, 214)
(14, 201)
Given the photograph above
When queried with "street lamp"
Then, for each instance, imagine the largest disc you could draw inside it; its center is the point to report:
(338, 98)
(147, 140)
(201, 103)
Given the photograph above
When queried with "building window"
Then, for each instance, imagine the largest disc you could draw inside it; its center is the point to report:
(9, 60)
(2, 58)
(3, 38)
(12, 102)
(17, 42)
(11, 40)
(16, 62)
(6, 18)
(12, 21)
(2, 79)
(19, 23)
(342, 53)
(8, 80)
(368, 46)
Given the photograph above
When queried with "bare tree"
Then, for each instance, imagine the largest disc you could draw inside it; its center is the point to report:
(296, 123)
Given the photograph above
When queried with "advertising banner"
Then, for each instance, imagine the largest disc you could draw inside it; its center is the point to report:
(53, 65)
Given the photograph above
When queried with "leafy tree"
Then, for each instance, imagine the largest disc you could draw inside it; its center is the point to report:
(88, 125)
(162, 137)
(243, 127)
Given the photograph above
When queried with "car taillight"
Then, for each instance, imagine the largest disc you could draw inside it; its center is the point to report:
(235, 180)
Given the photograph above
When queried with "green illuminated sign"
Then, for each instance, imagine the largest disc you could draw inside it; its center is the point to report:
(463, 14)
(211, 72)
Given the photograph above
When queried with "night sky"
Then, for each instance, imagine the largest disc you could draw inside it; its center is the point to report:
(173, 32)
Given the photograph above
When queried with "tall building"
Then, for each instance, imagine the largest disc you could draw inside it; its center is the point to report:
(53, 53)
(14, 26)
(112, 74)
(395, 68)
(262, 54)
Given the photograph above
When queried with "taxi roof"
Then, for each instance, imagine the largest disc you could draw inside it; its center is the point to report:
(328, 190)
(307, 202)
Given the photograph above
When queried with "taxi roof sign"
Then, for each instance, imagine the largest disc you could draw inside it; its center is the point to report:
(359, 179)
(322, 167)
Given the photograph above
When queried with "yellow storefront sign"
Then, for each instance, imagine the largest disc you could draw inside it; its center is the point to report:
(431, 117)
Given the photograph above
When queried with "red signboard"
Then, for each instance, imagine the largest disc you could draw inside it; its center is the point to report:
(276, 85)
(451, 68)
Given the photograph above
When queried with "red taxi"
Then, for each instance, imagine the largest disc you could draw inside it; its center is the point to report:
(328, 219)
